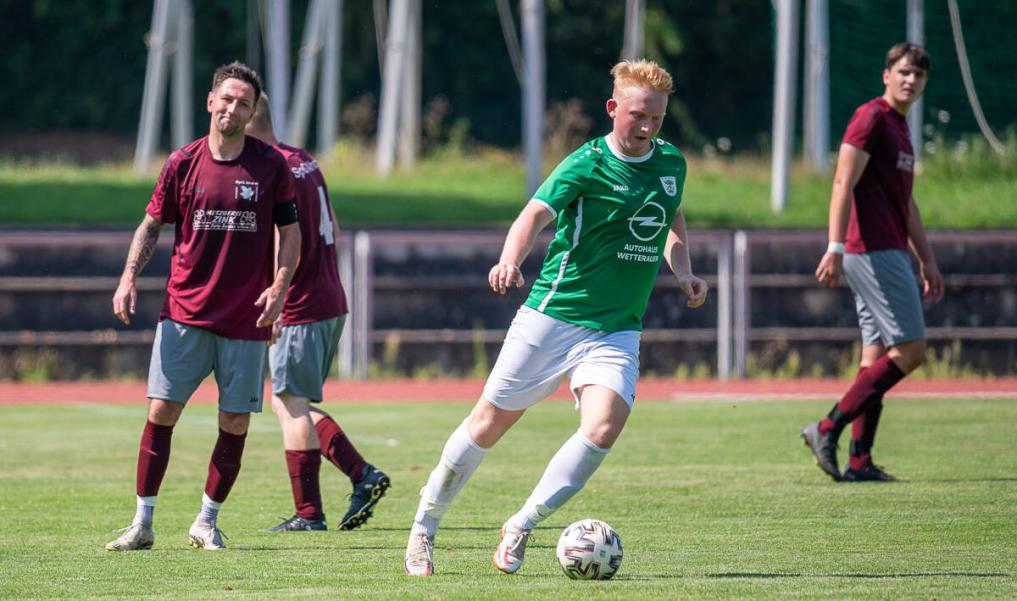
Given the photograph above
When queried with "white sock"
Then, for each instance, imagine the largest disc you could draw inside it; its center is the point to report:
(566, 475)
(209, 510)
(145, 510)
(459, 459)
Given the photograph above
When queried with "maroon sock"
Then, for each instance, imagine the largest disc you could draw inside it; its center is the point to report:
(225, 465)
(863, 433)
(338, 449)
(153, 458)
(304, 467)
(876, 379)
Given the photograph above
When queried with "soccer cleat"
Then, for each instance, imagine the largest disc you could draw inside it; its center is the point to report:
(511, 551)
(203, 535)
(366, 493)
(136, 537)
(824, 447)
(419, 560)
(297, 524)
(870, 473)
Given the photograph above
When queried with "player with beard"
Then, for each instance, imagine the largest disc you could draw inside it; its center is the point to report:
(226, 195)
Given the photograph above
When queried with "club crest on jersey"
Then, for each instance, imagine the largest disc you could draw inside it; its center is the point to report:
(905, 161)
(648, 221)
(670, 185)
(245, 190)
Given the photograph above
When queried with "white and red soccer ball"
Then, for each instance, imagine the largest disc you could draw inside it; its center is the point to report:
(589, 550)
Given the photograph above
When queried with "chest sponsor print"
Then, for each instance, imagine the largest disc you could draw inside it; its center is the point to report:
(225, 220)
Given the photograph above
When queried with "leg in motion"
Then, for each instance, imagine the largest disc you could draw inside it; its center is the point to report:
(603, 417)
(461, 456)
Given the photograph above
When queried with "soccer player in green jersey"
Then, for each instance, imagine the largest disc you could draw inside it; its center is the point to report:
(615, 202)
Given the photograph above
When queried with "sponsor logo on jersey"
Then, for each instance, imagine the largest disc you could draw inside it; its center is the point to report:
(620, 188)
(225, 221)
(905, 161)
(647, 222)
(245, 190)
(670, 185)
(304, 169)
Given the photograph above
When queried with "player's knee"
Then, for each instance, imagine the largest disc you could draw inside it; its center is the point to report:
(164, 413)
(912, 355)
(234, 423)
(603, 434)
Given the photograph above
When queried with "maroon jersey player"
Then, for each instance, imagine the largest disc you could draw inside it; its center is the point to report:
(226, 195)
(306, 340)
(873, 222)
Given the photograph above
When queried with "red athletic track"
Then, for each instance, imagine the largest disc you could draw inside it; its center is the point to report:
(14, 393)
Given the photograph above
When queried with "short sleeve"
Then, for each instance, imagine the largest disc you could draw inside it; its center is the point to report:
(567, 181)
(863, 128)
(165, 202)
(284, 184)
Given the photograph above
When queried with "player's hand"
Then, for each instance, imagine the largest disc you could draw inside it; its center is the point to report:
(276, 332)
(830, 268)
(125, 300)
(272, 299)
(503, 275)
(693, 287)
(932, 282)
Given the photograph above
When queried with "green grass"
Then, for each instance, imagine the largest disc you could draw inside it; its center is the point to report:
(713, 501)
(485, 188)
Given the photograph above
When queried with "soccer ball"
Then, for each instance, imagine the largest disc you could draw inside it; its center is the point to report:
(589, 550)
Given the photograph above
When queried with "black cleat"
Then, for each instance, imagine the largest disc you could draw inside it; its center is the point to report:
(824, 447)
(871, 473)
(297, 524)
(366, 493)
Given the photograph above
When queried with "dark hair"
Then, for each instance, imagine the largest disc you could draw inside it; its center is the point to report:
(238, 70)
(913, 52)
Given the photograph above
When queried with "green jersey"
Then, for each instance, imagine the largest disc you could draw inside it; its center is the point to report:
(613, 215)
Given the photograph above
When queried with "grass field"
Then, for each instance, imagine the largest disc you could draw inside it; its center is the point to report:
(486, 188)
(713, 501)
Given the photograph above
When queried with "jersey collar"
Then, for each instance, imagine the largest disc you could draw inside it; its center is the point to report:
(621, 156)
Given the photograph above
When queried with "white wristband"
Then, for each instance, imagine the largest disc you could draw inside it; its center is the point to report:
(836, 248)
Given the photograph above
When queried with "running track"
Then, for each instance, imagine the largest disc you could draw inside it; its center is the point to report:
(465, 391)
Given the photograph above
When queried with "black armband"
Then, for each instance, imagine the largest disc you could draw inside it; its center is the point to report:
(284, 213)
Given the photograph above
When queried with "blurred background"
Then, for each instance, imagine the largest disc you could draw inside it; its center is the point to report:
(433, 120)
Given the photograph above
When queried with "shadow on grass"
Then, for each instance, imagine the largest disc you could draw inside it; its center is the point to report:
(953, 480)
(765, 575)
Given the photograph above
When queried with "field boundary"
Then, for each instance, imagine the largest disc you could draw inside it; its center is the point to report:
(467, 390)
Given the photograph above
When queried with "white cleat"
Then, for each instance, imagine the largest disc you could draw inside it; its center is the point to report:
(206, 536)
(511, 551)
(419, 559)
(135, 537)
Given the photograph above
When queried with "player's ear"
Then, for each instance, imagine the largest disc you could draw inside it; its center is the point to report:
(886, 76)
(612, 107)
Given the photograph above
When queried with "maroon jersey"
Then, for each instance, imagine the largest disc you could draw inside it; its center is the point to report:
(223, 250)
(879, 206)
(315, 291)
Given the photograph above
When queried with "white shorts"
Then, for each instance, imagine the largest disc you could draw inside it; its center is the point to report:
(539, 350)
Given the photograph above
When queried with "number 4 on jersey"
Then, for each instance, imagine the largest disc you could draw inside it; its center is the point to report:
(325, 225)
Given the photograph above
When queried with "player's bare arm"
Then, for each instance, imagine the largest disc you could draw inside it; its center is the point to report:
(851, 164)
(932, 279)
(125, 299)
(518, 243)
(274, 297)
(676, 253)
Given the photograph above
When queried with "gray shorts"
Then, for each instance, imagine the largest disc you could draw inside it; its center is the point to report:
(183, 356)
(886, 297)
(302, 357)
